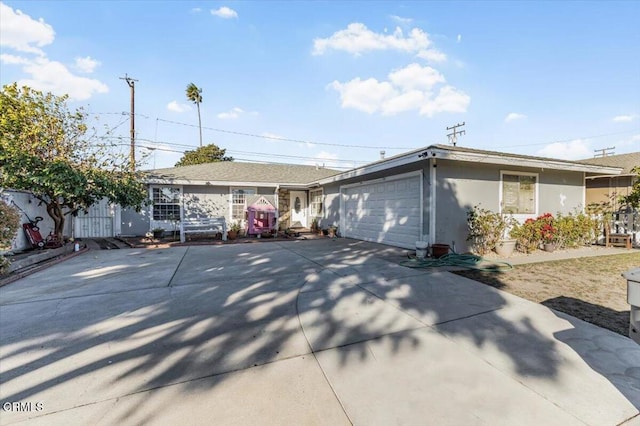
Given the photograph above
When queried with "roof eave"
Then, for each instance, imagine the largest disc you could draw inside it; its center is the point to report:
(524, 161)
(440, 153)
(179, 181)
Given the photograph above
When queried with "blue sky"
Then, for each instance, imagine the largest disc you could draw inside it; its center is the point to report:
(337, 82)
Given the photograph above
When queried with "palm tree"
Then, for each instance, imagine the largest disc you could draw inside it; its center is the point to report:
(194, 94)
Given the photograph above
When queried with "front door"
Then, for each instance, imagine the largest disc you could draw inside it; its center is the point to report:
(298, 203)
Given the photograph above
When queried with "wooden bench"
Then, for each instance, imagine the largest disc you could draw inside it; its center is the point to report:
(619, 240)
(205, 225)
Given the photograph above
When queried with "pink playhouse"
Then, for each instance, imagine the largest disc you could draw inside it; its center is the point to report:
(262, 216)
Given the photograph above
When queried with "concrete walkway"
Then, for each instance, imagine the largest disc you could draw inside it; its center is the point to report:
(324, 332)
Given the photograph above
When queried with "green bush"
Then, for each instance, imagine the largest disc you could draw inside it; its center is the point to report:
(575, 230)
(9, 225)
(565, 231)
(486, 229)
(528, 235)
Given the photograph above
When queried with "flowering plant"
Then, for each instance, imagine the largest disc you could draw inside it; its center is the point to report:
(547, 229)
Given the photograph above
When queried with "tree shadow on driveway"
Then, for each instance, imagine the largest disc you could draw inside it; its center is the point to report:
(222, 309)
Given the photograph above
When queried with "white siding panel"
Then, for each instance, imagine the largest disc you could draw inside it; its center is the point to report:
(385, 212)
(97, 223)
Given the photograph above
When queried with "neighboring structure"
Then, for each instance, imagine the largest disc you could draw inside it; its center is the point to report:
(610, 187)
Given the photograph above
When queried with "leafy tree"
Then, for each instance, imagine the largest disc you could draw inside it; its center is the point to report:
(633, 199)
(45, 150)
(194, 94)
(205, 154)
(9, 225)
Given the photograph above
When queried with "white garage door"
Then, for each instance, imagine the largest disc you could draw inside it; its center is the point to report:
(388, 211)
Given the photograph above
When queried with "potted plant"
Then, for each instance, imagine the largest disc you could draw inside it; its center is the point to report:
(507, 243)
(234, 231)
(547, 232)
(157, 233)
(314, 225)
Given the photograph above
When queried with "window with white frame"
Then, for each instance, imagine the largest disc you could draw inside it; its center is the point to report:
(316, 203)
(166, 203)
(239, 202)
(519, 193)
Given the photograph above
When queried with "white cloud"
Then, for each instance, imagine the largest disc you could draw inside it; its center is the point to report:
(414, 76)
(224, 12)
(87, 64)
(196, 10)
(459, 38)
(449, 99)
(231, 114)
(22, 33)
(357, 39)
(513, 116)
(55, 77)
(368, 95)
(624, 118)
(410, 88)
(8, 59)
(174, 106)
(400, 20)
(573, 150)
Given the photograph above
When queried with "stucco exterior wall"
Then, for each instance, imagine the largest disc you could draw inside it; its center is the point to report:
(461, 185)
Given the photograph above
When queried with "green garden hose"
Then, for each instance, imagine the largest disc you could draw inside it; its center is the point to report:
(469, 261)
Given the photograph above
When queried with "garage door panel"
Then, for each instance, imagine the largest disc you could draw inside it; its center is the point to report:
(388, 212)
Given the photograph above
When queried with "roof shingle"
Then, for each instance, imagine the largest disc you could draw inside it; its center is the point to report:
(626, 161)
(234, 171)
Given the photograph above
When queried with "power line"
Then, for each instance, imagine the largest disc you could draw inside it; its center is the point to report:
(260, 154)
(348, 145)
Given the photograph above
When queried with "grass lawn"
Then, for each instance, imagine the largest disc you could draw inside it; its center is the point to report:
(589, 288)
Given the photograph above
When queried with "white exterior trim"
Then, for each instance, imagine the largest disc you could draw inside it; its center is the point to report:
(164, 223)
(432, 202)
(521, 217)
(423, 154)
(384, 179)
(231, 189)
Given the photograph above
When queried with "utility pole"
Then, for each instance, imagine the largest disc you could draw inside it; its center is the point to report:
(132, 154)
(604, 152)
(453, 136)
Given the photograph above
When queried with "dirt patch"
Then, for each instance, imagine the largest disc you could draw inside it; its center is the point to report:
(589, 288)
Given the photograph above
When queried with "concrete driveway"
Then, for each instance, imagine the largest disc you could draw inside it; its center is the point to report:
(323, 332)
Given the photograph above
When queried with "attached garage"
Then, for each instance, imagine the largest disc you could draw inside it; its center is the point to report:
(387, 211)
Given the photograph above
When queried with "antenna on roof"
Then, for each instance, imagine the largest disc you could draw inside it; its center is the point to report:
(603, 152)
(453, 136)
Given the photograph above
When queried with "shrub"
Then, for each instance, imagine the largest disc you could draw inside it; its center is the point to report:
(486, 229)
(528, 235)
(566, 231)
(575, 229)
(9, 225)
